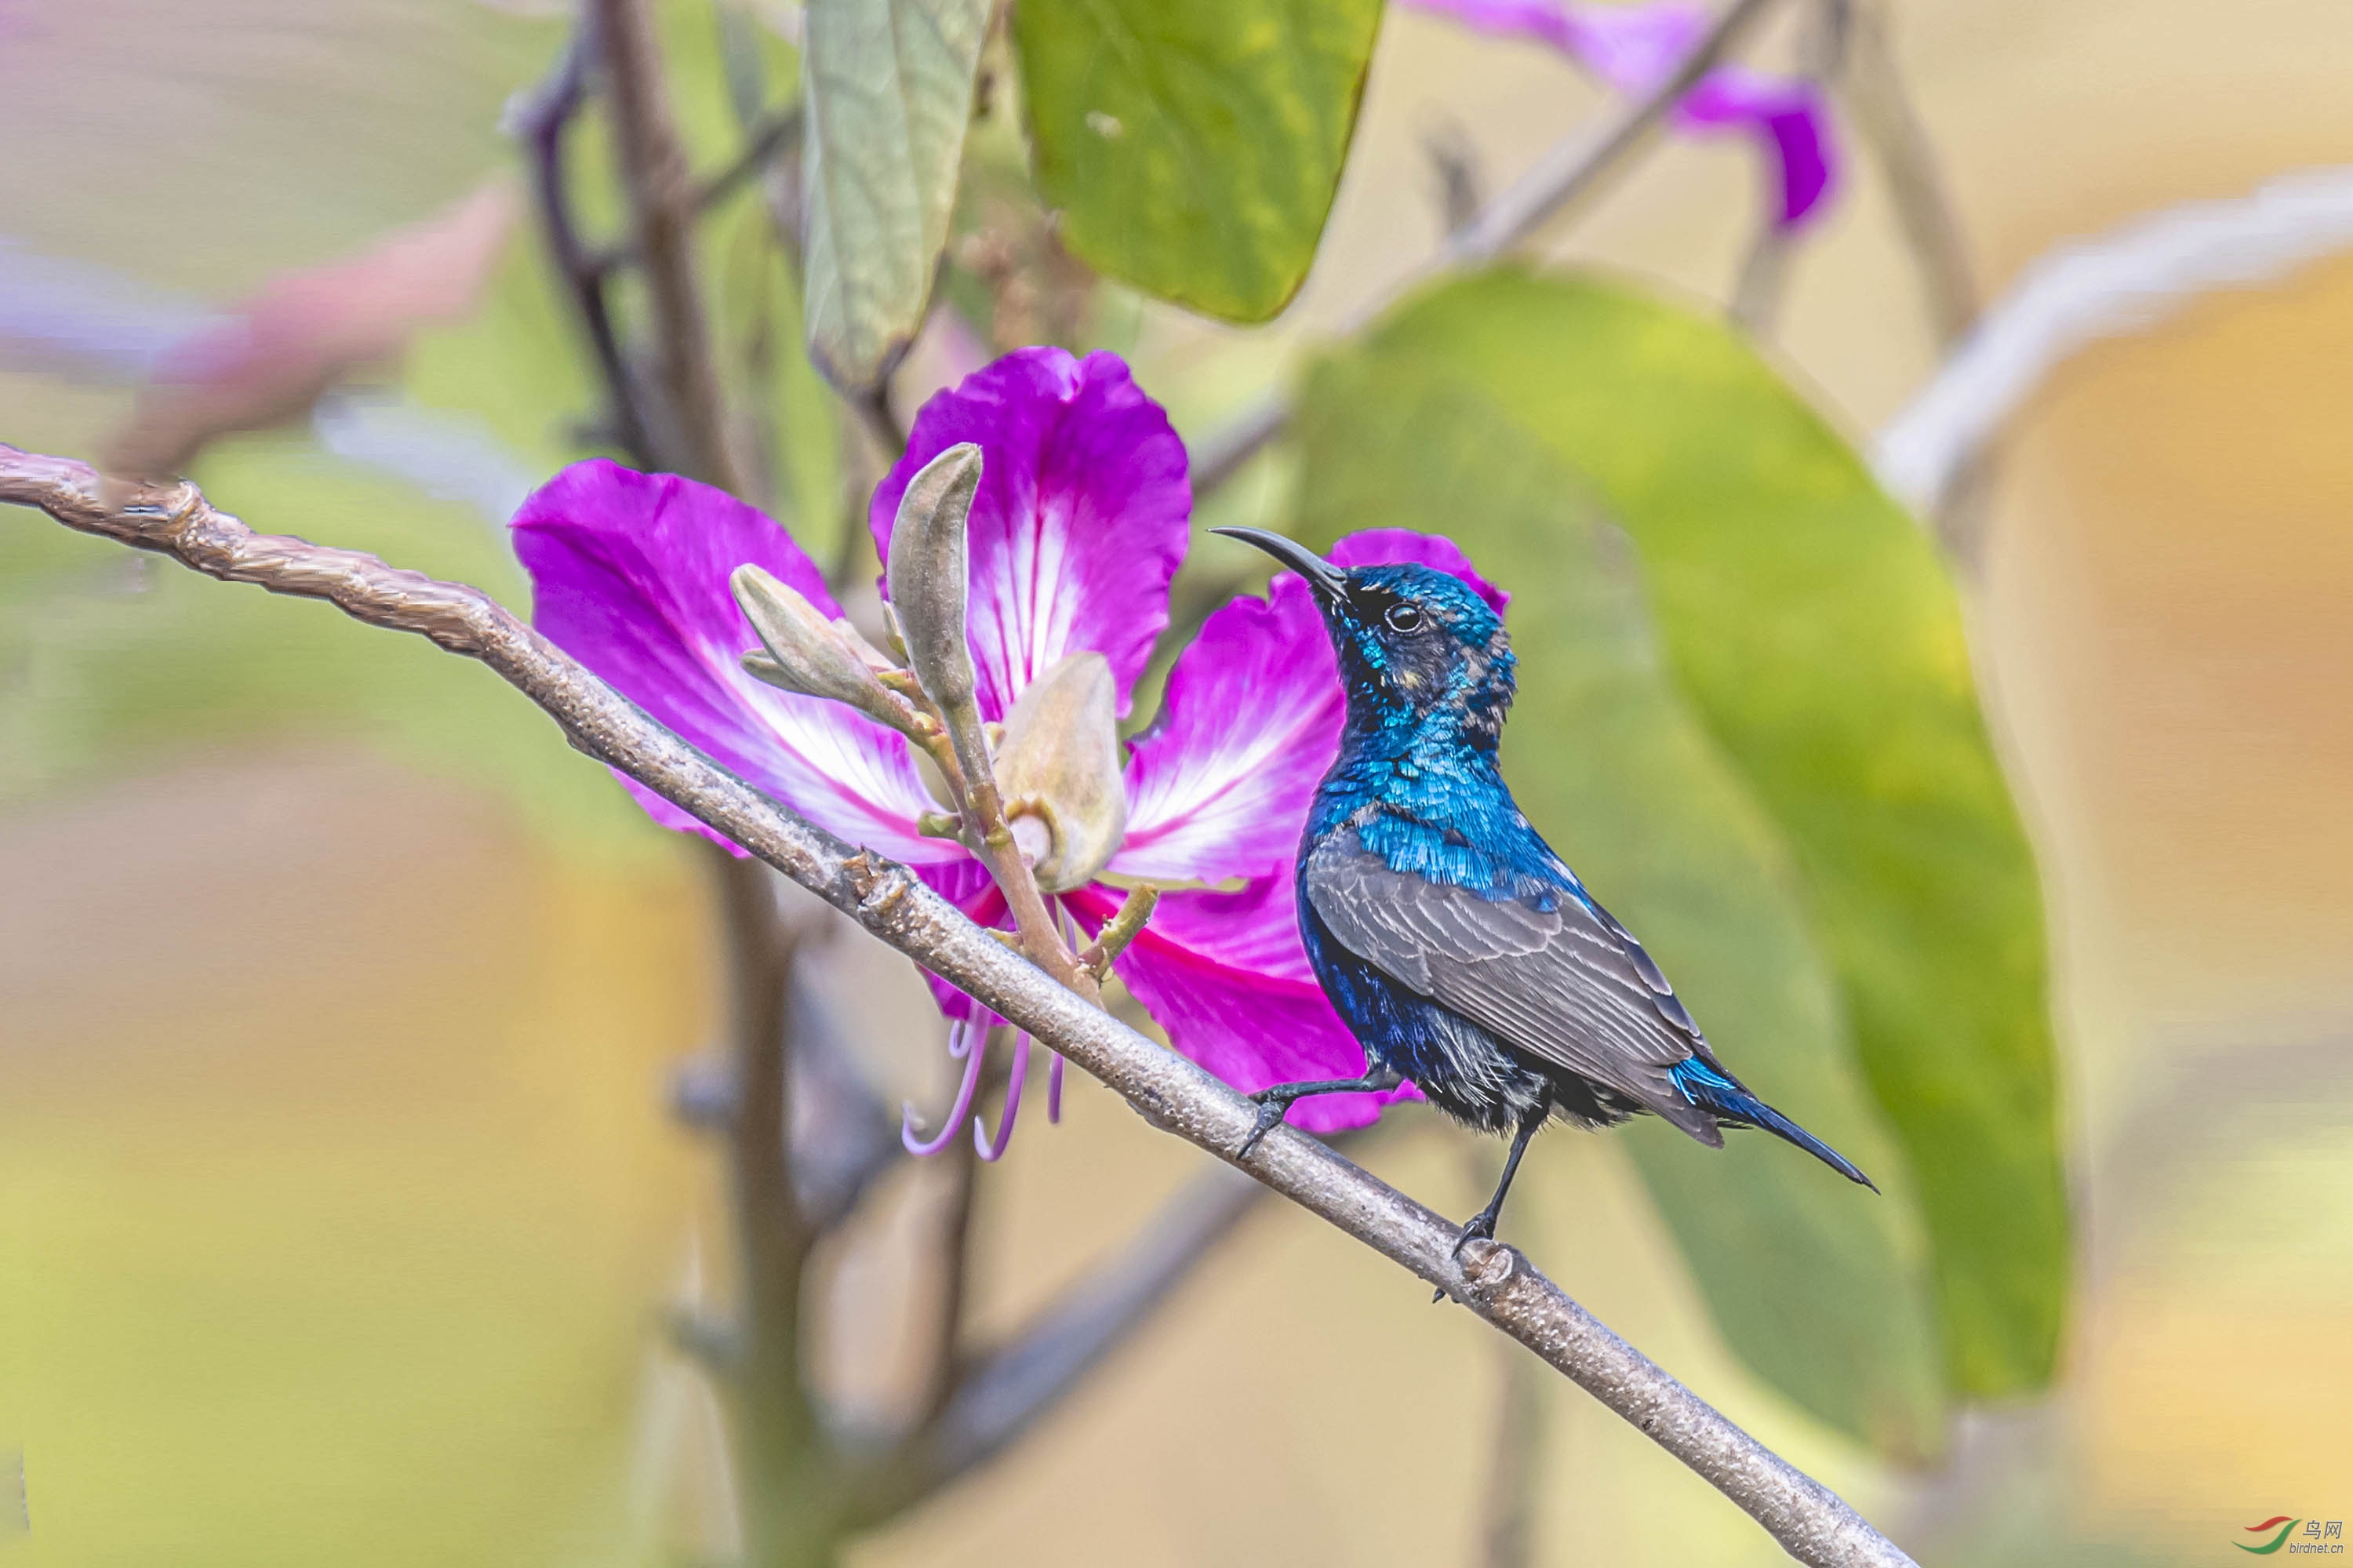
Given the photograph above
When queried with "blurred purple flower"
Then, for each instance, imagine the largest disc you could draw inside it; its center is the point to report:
(1635, 48)
(1080, 523)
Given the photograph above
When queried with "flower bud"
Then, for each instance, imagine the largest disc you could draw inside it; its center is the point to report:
(930, 562)
(1058, 766)
(805, 651)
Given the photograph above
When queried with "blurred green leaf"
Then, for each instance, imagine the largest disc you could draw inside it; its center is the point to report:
(1194, 145)
(1818, 1285)
(889, 88)
(1817, 637)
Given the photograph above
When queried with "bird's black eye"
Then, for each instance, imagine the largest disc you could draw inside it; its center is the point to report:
(1404, 617)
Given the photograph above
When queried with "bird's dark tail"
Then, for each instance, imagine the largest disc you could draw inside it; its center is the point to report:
(1715, 1091)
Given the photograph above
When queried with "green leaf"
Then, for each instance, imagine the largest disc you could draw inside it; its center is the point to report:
(1817, 637)
(1818, 1285)
(1194, 145)
(889, 87)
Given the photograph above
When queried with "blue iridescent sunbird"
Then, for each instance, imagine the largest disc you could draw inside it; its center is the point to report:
(1458, 948)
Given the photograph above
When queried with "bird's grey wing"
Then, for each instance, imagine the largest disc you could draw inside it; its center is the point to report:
(1566, 985)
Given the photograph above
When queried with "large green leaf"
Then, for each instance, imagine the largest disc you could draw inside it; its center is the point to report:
(1194, 145)
(1820, 642)
(889, 88)
(1819, 1287)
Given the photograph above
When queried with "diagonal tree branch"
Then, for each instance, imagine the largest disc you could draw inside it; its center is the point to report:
(1172, 1093)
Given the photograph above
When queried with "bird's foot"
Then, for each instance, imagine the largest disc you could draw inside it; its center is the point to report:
(1481, 1227)
(1271, 1109)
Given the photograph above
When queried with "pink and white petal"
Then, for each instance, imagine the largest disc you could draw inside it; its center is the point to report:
(1635, 48)
(1396, 546)
(1788, 119)
(629, 576)
(1224, 974)
(1081, 520)
(1219, 787)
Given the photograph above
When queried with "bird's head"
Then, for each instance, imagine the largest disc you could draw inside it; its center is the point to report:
(1414, 644)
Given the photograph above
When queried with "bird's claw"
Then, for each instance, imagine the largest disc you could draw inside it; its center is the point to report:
(1269, 1116)
(1482, 1227)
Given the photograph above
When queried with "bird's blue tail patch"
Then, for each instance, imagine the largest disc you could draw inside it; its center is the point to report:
(1713, 1090)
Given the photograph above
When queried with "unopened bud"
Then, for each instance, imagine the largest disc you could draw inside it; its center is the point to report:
(930, 561)
(1058, 766)
(808, 652)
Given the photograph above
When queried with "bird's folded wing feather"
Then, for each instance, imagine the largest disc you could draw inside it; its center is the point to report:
(1567, 985)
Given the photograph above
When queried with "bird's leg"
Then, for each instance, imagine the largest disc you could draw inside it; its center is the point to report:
(1274, 1102)
(1483, 1224)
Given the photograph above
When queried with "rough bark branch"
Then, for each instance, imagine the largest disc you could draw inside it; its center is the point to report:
(1170, 1092)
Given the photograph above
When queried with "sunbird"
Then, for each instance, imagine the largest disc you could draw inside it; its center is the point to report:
(1462, 952)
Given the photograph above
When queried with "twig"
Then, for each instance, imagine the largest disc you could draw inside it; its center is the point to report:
(768, 138)
(1872, 87)
(1573, 168)
(1172, 1093)
(874, 410)
(1006, 1392)
(1120, 929)
(661, 203)
(1577, 165)
(543, 120)
(843, 1137)
(2119, 282)
(1765, 271)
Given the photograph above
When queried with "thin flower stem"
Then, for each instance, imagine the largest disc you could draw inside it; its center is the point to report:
(662, 193)
(993, 837)
(1120, 930)
(890, 901)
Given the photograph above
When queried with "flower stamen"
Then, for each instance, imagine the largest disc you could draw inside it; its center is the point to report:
(975, 1050)
(994, 1151)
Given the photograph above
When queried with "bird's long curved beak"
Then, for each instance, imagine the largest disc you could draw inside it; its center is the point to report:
(1322, 574)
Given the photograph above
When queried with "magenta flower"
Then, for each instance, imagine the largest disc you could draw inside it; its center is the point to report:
(1080, 523)
(1635, 48)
